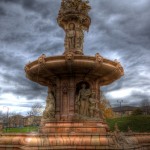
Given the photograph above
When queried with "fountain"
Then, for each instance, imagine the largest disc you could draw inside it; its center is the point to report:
(72, 118)
(73, 79)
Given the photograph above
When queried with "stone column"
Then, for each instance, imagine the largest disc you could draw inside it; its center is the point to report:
(72, 90)
(58, 98)
(64, 100)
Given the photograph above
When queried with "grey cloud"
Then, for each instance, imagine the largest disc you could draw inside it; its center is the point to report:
(2, 11)
(21, 86)
(8, 62)
(118, 27)
(43, 7)
(17, 37)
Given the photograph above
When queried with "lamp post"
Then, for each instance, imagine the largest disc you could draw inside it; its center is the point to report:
(7, 116)
(120, 104)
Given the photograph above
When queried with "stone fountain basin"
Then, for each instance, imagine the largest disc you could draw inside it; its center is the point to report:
(47, 68)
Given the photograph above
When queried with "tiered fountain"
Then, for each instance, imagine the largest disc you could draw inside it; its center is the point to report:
(73, 79)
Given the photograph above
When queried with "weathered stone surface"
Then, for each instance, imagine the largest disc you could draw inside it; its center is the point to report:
(105, 141)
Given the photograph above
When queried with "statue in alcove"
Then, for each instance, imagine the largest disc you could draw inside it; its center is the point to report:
(83, 100)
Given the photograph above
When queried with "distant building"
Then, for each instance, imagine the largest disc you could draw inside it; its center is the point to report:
(15, 121)
(123, 111)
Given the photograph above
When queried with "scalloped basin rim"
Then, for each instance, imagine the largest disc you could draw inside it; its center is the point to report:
(56, 58)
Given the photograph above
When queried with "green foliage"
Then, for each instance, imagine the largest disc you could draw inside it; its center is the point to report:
(137, 112)
(136, 123)
(21, 130)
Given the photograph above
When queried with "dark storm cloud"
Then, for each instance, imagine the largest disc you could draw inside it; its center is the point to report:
(20, 86)
(122, 24)
(2, 11)
(42, 7)
(17, 37)
(119, 30)
(7, 61)
(45, 7)
(50, 46)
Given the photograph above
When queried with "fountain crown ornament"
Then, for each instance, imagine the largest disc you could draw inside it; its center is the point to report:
(73, 18)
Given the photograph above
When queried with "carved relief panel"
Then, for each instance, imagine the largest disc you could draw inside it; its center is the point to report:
(74, 38)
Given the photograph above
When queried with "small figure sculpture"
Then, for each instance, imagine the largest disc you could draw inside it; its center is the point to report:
(83, 97)
(79, 39)
(93, 108)
(49, 111)
(120, 138)
(70, 37)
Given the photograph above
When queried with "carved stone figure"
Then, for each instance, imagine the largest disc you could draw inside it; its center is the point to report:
(49, 111)
(83, 97)
(94, 110)
(79, 39)
(70, 37)
(92, 105)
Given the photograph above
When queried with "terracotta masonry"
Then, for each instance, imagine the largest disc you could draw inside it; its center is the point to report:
(72, 118)
(109, 141)
(74, 127)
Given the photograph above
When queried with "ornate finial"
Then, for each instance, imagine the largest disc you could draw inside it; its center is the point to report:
(73, 18)
(41, 59)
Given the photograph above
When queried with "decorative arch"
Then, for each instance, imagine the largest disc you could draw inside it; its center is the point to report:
(79, 86)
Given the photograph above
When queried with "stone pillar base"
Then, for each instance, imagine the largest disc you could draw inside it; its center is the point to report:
(74, 127)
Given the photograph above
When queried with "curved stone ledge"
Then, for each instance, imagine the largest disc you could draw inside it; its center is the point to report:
(46, 68)
(105, 141)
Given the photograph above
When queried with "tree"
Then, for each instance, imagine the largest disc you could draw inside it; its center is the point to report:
(15, 120)
(145, 105)
(137, 112)
(35, 113)
(4, 118)
(105, 107)
(1, 115)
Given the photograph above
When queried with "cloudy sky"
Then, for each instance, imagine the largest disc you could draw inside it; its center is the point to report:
(120, 30)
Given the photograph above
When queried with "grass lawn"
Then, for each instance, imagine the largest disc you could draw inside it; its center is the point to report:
(21, 130)
(136, 123)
